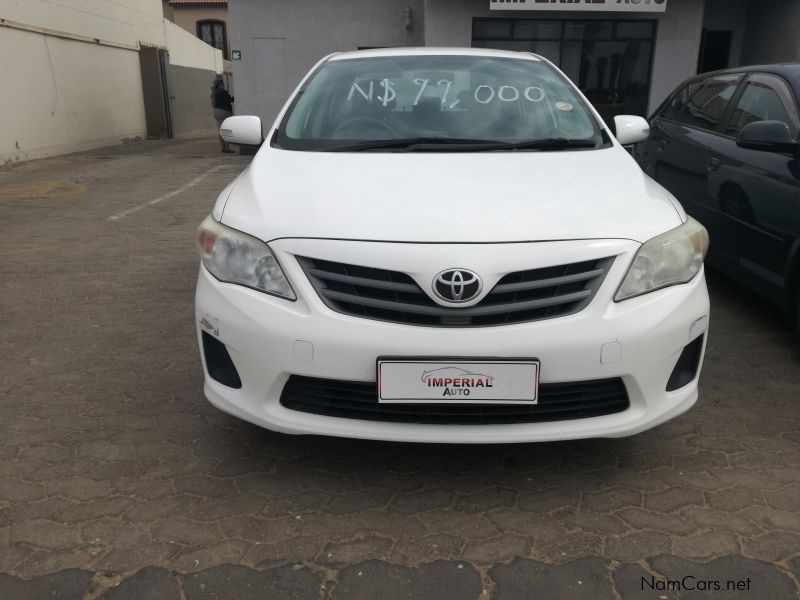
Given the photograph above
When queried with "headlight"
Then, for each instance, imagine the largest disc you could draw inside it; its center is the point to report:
(235, 257)
(671, 258)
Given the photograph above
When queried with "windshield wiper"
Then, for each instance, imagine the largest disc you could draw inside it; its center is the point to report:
(417, 143)
(550, 144)
(461, 144)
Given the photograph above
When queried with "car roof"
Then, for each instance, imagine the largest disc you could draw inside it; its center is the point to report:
(791, 69)
(433, 51)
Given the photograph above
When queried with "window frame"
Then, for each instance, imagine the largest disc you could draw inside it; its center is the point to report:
(563, 38)
(199, 26)
(756, 75)
(722, 125)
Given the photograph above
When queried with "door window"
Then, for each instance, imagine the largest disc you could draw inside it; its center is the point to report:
(702, 103)
(766, 98)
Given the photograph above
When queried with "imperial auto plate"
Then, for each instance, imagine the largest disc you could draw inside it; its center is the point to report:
(458, 381)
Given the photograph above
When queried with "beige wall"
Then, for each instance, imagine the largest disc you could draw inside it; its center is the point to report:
(74, 72)
(65, 96)
(125, 23)
(187, 50)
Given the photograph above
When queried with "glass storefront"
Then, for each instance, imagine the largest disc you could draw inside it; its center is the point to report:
(610, 60)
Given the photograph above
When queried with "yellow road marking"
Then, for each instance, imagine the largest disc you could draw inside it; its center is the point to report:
(28, 250)
(40, 189)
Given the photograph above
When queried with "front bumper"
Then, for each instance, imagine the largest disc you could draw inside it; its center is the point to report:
(269, 339)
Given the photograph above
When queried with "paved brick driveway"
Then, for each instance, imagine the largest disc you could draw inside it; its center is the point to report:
(117, 477)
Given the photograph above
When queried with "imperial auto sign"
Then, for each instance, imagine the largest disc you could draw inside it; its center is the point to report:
(652, 6)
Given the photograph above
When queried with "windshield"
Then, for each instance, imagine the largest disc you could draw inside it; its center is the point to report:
(441, 102)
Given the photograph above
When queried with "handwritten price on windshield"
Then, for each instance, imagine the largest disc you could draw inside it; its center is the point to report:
(483, 94)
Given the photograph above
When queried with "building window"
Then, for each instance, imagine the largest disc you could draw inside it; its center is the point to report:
(610, 60)
(213, 33)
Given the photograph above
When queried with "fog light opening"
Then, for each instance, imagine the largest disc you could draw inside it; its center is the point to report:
(688, 364)
(219, 363)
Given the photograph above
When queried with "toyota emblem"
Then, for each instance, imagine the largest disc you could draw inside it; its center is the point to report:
(457, 285)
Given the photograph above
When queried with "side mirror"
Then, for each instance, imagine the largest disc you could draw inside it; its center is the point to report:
(242, 130)
(630, 129)
(768, 136)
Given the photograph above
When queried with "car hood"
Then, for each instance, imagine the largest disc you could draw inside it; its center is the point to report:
(448, 197)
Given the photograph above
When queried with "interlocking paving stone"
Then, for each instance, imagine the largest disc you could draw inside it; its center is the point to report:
(72, 584)
(786, 499)
(496, 550)
(669, 523)
(734, 499)
(486, 499)
(441, 580)
(773, 546)
(706, 545)
(423, 500)
(634, 546)
(44, 533)
(672, 499)
(358, 501)
(14, 490)
(232, 582)
(590, 521)
(766, 517)
(151, 583)
(355, 551)
(611, 500)
(535, 526)
(587, 578)
(194, 559)
(766, 580)
(795, 566)
(427, 549)
(633, 582)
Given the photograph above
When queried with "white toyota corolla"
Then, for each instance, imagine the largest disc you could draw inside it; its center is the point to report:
(448, 245)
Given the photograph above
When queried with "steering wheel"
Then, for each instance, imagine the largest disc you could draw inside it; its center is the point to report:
(363, 123)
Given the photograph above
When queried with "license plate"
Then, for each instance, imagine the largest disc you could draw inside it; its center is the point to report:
(458, 381)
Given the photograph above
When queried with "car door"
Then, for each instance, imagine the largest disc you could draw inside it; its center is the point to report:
(753, 194)
(684, 135)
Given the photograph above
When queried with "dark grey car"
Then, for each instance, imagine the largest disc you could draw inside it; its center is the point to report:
(726, 144)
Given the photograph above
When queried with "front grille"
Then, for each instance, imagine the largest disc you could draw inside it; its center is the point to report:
(518, 297)
(357, 400)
